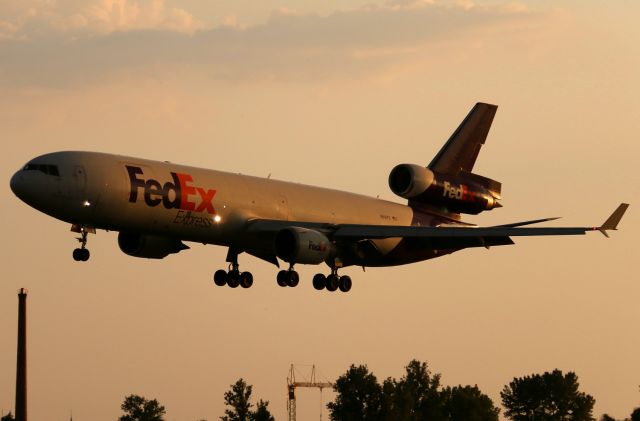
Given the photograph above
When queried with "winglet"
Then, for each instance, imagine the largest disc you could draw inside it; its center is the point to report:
(612, 222)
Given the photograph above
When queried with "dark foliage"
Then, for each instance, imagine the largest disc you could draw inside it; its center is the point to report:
(137, 408)
(262, 412)
(417, 396)
(239, 406)
(547, 397)
(359, 396)
(468, 403)
(237, 400)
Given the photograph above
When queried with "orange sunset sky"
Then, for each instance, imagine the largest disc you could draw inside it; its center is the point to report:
(330, 93)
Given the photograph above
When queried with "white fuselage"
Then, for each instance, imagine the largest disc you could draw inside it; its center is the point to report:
(123, 193)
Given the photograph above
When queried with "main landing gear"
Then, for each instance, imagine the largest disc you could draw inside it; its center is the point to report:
(332, 282)
(81, 254)
(233, 277)
(288, 278)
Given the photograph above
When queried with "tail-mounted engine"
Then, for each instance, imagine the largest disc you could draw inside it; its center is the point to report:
(149, 246)
(301, 245)
(465, 193)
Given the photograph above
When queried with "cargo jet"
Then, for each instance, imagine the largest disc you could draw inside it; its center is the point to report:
(155, 206)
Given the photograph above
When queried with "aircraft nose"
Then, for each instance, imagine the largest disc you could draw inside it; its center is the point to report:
(16, 184)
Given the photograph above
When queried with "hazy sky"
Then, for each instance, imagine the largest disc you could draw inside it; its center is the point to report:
(333, 93)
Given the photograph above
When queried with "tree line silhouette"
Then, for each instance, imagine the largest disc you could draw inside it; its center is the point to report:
(416, 396)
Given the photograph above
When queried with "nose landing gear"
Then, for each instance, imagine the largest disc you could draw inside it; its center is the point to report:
(81, 254)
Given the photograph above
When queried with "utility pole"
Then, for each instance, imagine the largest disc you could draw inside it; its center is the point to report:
(21, 363)
(292, 384)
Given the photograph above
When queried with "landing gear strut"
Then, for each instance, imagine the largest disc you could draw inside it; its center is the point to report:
(233, 277)
(81, 254)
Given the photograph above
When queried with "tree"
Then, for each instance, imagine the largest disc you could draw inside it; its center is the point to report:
(239, 406)
(547, 397)
(237, 399)
(467, 403)
(607, 417)
(8, 417)
(415, 396)
(635, 415)
(262, 412)
(358, 396)
(137, 408)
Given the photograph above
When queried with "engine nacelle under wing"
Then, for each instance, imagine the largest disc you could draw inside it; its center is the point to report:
(301, 245)
(149, 246)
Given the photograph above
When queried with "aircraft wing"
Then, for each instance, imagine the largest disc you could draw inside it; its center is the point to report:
(509, 230)
(358, 232)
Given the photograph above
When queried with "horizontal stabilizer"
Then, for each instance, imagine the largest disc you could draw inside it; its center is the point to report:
(534, 221)
(495, 187)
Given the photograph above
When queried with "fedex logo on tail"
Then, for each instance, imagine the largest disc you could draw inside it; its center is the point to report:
(185, 196)
(460, 193)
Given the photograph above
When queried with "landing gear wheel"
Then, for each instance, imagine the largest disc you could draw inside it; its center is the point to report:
(81, 255)
(292, 278)
(246, 279)
(220, 277)
(282, 278)
(319, 281)
(345, 283)
(233, 278)
(332, 282)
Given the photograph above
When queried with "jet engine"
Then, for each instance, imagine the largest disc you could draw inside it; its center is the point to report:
(463, 193)
(409, 180)
(301, 245)
(149, 246)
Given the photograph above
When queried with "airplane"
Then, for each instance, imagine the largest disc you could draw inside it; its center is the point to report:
(156, 206)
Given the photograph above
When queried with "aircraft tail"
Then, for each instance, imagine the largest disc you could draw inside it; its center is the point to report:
(458, 156)
(462, 148)
(448, 184)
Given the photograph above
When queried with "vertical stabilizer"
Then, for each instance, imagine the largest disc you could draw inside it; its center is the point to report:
(461, 150)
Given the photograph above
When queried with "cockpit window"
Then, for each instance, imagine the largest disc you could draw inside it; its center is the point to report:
(47, 169)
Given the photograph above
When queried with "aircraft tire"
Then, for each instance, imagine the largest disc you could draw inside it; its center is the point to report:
(345, 283)
(319, 281)
(233, 279)
(332, 282)
(293, 278)
(282, 278)
(81, 255)
(246, 279)
(220, 277)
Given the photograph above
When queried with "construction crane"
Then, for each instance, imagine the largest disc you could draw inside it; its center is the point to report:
(291, 389)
